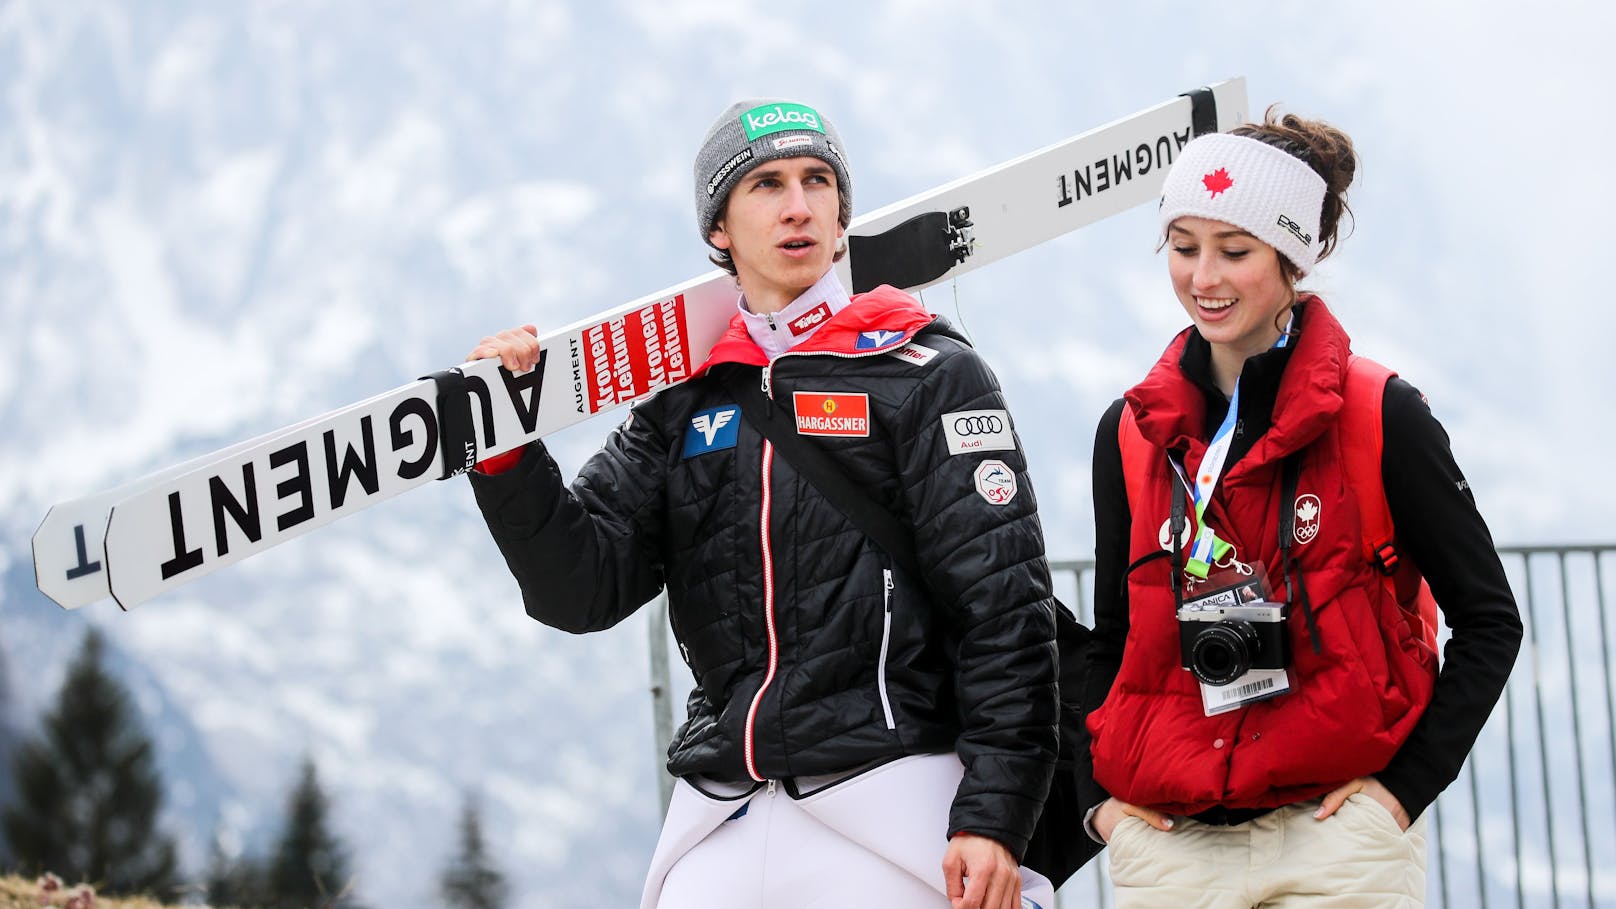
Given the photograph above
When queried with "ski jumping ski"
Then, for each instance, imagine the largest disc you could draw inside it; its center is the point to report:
(156, 533)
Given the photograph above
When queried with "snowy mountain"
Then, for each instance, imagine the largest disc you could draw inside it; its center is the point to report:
(219, 219)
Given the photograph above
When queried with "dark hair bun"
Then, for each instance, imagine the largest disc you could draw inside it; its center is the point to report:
(1325, 149)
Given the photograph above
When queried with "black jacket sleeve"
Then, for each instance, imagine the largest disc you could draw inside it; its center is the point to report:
(1438, 526)
(586, 557)
(1112, 520)
(985, 566)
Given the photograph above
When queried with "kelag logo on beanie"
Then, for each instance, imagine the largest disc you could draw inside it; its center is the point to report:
(774, 118)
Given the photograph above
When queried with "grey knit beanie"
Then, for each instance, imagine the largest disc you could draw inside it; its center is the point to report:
(759, 130)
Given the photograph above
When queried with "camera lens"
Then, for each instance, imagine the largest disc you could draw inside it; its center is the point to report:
(1222, 652)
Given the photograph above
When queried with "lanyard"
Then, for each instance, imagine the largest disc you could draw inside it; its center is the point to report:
(1208, 547)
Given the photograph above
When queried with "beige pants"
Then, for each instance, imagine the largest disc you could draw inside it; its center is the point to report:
(1355, 859)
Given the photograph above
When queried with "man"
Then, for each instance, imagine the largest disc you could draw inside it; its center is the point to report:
(856, 736)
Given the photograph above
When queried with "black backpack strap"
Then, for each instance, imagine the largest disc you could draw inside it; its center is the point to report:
(778, 424)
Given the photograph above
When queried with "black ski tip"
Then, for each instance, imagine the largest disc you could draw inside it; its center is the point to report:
(915, 252)
(1203, 110)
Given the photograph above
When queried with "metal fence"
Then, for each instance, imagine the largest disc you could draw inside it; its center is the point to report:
(1531, 820)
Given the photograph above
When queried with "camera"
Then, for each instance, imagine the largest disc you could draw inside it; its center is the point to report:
(1223, 643)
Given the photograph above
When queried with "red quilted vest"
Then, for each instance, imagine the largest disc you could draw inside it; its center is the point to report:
(1352, 704)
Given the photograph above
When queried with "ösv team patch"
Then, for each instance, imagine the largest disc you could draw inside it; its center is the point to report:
(996, 482)
(822, 413)
(978, 430)
(711, 430)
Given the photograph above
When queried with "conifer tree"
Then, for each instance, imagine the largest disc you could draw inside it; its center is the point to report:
(309, 867)
(239, 882)
(88, 794)
(472, 881)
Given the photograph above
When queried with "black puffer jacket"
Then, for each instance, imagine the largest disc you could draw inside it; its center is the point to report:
(812, 652)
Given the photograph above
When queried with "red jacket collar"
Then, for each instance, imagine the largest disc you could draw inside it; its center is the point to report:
(1171, 412)
(878, 321)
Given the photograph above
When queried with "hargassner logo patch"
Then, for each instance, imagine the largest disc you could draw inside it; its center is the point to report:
(809, 320)
(978, 430)
(741, 157)
(830, 414)
(774, 118)
(918, 354)
(875, 340)
(712, 430)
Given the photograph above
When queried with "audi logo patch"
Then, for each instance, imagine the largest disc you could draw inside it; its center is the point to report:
(970, 431)
(978, 426)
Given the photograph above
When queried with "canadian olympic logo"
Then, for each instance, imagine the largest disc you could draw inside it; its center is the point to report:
(1308, 515)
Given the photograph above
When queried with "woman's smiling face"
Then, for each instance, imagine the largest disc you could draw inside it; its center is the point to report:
(1232, 284)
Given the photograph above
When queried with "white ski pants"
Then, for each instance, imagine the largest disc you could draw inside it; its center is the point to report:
(876, 839)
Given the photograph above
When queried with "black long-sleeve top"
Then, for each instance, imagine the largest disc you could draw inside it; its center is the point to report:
(1436, 523)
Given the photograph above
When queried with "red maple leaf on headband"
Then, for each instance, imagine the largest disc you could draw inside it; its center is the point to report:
(1217, 181)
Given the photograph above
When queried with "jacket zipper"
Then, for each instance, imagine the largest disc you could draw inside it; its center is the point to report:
(886, 638)
(768, 616)
(768, 371)
(768, 578)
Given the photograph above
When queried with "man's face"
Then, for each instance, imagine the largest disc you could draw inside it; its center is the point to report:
(779, 226)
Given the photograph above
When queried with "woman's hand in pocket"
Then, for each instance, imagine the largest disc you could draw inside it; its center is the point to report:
(1367, 785)
(1112, 811)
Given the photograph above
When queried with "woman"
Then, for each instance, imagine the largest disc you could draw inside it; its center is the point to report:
(1267, 725)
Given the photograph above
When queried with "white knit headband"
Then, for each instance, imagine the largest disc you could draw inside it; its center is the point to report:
(1270, 193)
